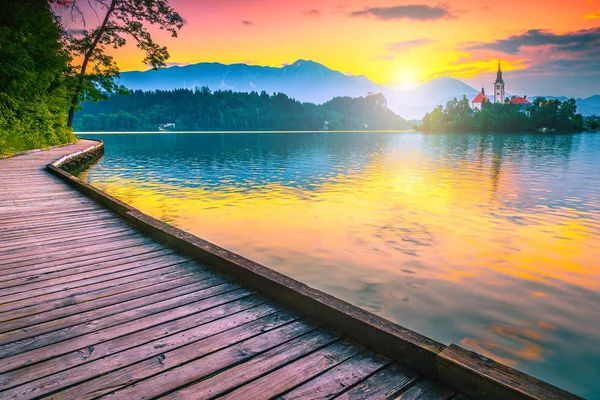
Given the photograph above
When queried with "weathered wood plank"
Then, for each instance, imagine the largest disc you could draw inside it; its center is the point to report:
(42, 249)
(42, 274)
(80, 313)
(166, 360)
(50, 214)
(106, 356)
(296, 338)
(426, 389)
(481, 377)
(63, 256)
(62, 312)
(75, 298)
(14, 344)
(52, 241)
(165, 266)
(382, 385)
(339, 378)
(93, 257)
(125, 327)
(296, 372)
(30, 284)
(68, 295)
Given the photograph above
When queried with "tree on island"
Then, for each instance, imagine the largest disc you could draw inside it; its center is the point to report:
(592, 122)
(95, 75)
(458, 116)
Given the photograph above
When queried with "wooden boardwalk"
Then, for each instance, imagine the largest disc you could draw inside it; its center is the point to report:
(92, 308)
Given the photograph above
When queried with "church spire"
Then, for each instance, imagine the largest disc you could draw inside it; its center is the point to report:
(499, 74)
(499, 87)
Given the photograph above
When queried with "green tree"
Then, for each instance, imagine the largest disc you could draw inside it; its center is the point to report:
(33, 84)
(225, 110)
(457, 116)
(121, 20)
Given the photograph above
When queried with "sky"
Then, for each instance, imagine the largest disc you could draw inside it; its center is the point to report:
(547, 47)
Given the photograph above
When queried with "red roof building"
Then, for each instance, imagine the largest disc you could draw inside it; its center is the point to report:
(522, 103)
(477, 101)
(480, 98)
(519, 100)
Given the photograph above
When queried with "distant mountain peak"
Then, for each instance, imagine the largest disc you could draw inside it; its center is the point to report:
(308, 81)
(302, 62)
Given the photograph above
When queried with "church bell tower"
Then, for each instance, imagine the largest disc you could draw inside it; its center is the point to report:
(499, 87)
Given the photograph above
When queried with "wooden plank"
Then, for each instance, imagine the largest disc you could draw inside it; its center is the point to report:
(65, 256)
(68, 295)
(162, 360)
(339, 378)
(99, 257)
(48, 214)
(61, 256)
(481, 377)
(175, 368)
(165, 266)
(67, 220)
(58, 229)
(382, 385)
(285, 351)
(29, 284)
(295, 373)
(42, 274)
(14, 344)
(53, 215)
(62, 312)
(56, 305)
(52, 241)
(104, 357)
(82, 342)
(75, 243)
(426, 389)
(122, 302)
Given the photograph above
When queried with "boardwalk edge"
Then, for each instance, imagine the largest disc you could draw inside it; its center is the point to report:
(466, 371)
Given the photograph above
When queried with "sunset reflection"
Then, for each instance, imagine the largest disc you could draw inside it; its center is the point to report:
(460, 238)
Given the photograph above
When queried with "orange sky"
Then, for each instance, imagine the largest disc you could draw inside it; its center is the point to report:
(401, 50)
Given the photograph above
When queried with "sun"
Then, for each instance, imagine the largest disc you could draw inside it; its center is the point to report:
(406, 78)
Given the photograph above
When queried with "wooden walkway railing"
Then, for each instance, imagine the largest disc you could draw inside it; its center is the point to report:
(90, 307)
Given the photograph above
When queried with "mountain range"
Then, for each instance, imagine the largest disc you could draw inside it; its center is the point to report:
(309, 81)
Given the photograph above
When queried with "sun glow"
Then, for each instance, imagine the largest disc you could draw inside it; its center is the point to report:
(407, 78)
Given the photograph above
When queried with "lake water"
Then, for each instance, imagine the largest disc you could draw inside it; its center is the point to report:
(488, 241)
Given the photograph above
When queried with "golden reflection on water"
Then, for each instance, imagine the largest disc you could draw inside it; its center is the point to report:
(464, 250)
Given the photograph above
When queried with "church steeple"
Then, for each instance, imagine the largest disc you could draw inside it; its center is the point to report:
(499, 86)
(499, 74)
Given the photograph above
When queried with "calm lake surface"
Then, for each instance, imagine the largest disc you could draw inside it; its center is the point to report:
(488, 241)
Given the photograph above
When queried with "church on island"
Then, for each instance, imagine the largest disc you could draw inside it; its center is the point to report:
(499, 96)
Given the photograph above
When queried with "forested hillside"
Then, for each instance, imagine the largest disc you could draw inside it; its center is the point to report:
(33, 83)
(225, 110)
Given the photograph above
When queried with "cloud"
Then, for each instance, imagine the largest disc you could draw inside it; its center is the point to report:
(419, 12)
(592, 15)
(576, 41)
(403, 46)
(312, 13)
(248, 23)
